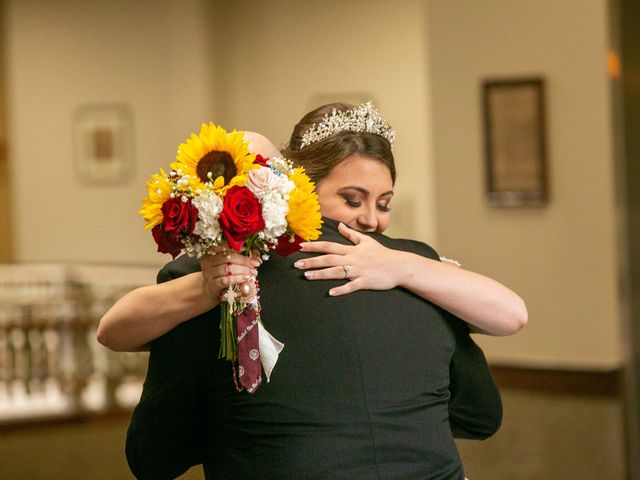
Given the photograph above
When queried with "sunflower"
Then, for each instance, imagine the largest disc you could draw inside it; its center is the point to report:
(159, 188)
(304, 208)
(214, 159)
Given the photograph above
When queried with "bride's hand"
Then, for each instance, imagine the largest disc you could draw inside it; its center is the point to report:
(224, 268)
(367, 264)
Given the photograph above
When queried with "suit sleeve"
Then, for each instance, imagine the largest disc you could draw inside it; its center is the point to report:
(475, 406)
(165, 436)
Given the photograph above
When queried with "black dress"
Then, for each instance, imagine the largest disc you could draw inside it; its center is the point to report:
(370, 385)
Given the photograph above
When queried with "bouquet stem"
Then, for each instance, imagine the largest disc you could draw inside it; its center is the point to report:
(228, 341)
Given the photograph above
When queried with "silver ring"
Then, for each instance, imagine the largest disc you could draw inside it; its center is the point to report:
(347, 270)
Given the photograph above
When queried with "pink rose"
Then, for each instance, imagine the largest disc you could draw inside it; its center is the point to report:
(262, 180)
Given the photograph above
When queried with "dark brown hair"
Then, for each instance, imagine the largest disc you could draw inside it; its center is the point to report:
(319, 158)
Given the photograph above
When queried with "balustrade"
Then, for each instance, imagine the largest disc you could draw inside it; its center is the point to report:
(50, 362)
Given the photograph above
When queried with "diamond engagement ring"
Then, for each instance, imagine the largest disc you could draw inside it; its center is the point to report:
(347, 269)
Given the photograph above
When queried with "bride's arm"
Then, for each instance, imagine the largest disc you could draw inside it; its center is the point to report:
(486, 305)
(148, 312)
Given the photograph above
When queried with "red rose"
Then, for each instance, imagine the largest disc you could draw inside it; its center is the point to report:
(260, 160)
(287, 245)
(179, 220)
(166, 243)
(241, 216)
(179, 217)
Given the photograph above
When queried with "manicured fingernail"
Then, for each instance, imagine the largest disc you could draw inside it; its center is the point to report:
(308, 274)
(332, 293)
(299, 264)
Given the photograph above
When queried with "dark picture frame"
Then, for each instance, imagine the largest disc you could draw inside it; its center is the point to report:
(515, 141)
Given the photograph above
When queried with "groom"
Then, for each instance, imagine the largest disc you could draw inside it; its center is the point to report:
(373, 384)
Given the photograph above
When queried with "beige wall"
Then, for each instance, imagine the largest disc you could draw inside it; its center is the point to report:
(259, 65)
(560, 258)
(151, 55)
(284, 57)
(171, 62)
(5, 194)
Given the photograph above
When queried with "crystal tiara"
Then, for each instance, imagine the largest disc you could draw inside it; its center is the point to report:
(363, 118)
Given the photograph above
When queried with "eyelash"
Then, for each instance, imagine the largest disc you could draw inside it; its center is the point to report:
(354, 204)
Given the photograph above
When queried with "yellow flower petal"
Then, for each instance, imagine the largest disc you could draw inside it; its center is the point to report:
(159, 188)
(213, 138)
(304, 207)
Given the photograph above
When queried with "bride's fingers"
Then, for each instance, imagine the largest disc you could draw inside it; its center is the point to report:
(324, 247)
(222, 270)
(234, 280)
(320, 262)
(352, 286)
(332, 273)
(353, 236)
(234, 269)
(222, 258)
(237, 258)
(215, 285)
(256, 258)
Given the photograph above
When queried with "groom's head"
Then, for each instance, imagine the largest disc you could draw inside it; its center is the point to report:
(261, 145)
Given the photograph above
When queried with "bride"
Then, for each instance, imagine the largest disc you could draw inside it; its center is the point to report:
(354, 174)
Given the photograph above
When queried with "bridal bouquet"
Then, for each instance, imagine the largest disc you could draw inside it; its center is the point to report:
(218, 196)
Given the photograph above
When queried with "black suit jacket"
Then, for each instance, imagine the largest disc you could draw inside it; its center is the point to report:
(369, 385)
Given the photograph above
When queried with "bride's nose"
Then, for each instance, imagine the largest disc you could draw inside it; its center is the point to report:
(368, 220)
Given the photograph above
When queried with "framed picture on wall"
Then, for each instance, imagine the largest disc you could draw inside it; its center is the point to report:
(102, 137)
(515, 141)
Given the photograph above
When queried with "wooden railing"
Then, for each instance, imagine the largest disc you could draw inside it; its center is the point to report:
(51, 365)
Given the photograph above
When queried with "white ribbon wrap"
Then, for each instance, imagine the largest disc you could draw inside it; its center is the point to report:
(270, 348)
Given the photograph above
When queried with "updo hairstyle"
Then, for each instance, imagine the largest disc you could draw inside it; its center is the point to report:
(319, 158)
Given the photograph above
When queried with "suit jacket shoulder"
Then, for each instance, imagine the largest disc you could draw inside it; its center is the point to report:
(179, 267)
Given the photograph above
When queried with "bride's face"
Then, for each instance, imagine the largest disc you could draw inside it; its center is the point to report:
(357, 193)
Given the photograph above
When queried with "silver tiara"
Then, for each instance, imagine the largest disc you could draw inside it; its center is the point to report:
(363, 118)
